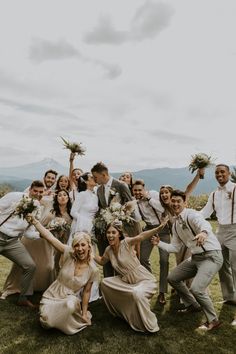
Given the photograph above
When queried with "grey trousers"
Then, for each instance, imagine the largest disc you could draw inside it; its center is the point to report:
(13, 249)
(145, 252)
(203, 268)
(227, 274)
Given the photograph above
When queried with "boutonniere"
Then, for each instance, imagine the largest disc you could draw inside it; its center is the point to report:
(113, 192)
(184, 225)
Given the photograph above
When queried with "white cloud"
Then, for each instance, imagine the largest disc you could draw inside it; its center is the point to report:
(148, 21)
(164, 91)
(42, 50)
(104, 32)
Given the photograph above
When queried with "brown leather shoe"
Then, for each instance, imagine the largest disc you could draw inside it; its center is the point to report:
(209, 326)
(27, 303)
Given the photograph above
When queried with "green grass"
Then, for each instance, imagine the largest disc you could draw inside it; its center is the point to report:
(20, 331)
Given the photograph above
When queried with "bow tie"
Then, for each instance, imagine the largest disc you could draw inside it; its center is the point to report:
(223, 188)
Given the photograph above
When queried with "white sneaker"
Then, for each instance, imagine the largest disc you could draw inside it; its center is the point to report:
(234, 322)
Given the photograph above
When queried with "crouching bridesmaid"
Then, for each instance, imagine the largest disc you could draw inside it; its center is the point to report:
(60, 307)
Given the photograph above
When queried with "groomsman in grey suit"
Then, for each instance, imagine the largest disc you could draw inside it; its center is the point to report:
(109, 188)
(191, 229)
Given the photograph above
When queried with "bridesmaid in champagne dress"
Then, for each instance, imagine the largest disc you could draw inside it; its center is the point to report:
(60, 307)
(128, 294)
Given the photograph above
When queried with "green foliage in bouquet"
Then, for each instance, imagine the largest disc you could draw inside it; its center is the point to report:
(75, 148)
(115, 212)
(59, 225)
(200, 161)
(26, 206)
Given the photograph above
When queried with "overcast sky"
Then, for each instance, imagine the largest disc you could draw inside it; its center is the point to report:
(142, 84)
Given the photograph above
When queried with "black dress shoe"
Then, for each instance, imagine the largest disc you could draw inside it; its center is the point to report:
(161, 299)
(189, 309)
(229, 302)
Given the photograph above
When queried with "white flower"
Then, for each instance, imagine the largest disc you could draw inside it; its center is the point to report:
(58, 224)
(26, 206)
(114, 212)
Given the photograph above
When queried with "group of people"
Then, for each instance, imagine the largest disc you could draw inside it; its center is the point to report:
(55, 253)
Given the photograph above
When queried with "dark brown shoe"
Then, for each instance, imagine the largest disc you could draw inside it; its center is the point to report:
(27, 303)
(209, 326)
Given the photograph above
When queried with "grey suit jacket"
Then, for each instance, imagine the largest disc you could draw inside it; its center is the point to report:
(118, 187)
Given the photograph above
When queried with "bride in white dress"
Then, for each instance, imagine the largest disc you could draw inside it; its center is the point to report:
(83, 212)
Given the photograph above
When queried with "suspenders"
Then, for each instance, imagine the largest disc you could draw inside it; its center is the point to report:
(232, 207)
(155, 212)
(232, 210)
(191, 229)
(3, 222)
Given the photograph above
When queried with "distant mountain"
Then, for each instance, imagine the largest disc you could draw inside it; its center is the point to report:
(17, 184)
(34, 170)
(176, 177)
(21, 176)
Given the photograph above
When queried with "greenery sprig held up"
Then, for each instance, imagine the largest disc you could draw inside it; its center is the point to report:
(75, 148)
(200, 161)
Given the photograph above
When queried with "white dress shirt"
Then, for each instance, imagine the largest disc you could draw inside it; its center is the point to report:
(151, 209)
(107, 188)
(222, 203)
(187, 221)
(15, 226)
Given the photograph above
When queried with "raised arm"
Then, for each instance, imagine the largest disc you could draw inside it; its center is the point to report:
(46, 234)
(146, 234)
(72, 157)
(192, 185)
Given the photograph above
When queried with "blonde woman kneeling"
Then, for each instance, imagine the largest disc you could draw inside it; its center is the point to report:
(59, 307)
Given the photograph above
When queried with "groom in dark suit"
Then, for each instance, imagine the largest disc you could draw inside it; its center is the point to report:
(109, 188)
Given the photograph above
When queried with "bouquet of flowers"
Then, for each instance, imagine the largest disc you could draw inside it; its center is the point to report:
(58, 224)
(60, 229)
(26, 206)
(199, 161)
(75, 148)
(114, 213)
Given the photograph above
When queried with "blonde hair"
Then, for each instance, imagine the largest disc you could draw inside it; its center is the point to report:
(78, 236)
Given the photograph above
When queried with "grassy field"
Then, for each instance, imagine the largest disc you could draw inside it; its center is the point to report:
(21, 332)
